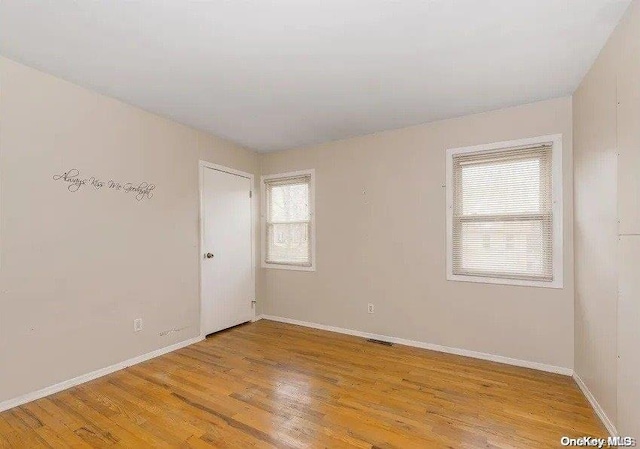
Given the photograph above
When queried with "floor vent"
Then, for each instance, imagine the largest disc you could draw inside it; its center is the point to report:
(379, 342)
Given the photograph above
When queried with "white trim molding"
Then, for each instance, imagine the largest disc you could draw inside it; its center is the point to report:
(47, 391)
(596, 406)
(557, 209)
(312, 211)
(430, 346)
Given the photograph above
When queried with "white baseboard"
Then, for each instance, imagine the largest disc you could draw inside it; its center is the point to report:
(11, 403)
(596, 406)
(430, 346)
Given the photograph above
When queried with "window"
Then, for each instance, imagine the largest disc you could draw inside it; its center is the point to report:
(504, 213)
(287, 223)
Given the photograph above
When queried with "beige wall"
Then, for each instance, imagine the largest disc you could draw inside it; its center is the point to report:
(596, 230)
(628, 119)
(607, 238)
(380, 220)
(77, 268)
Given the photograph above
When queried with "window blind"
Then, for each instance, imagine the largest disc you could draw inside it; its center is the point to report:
(288, 221)
(503, 214)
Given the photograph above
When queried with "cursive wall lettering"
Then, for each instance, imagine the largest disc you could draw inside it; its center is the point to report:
(75, 182)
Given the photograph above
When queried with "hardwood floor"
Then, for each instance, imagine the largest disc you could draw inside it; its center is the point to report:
(269, 384)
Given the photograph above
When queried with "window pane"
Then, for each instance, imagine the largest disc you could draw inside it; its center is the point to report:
(506, 187)
(288, 243)
(289, 202)
(512, 248)
(288, 218)
(502, 213)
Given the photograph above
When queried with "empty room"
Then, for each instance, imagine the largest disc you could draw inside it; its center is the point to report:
(366, 224)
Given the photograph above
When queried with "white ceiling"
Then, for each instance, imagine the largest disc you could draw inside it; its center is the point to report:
(276, 74)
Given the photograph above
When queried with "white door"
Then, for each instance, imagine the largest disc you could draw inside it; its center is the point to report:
(227, 265)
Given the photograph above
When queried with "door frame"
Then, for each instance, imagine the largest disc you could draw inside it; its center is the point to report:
(203, 165)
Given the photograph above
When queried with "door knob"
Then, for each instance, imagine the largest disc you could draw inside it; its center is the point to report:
(208, 255)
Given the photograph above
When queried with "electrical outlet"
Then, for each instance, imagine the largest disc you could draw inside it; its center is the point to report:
(137, 325)
(370, 308)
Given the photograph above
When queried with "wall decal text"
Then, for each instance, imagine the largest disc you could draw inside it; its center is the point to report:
(75, 182)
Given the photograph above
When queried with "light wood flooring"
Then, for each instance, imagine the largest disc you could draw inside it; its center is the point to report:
(268, 384)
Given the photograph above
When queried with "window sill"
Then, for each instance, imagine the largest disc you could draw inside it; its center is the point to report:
(277, 266)
(501, 281)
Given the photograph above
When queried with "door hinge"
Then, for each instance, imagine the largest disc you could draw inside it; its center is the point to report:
(250, 194)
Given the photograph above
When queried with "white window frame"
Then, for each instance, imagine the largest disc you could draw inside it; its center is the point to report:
(557, 210)
(312, 211)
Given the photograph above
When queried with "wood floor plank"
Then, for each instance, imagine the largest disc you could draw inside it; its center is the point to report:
(272, 385)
